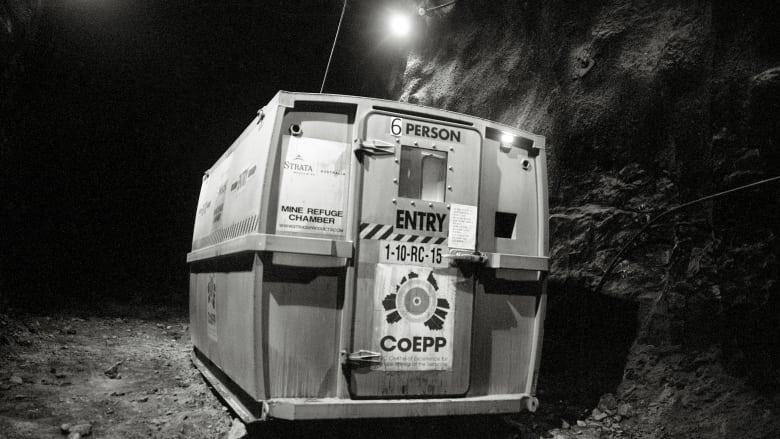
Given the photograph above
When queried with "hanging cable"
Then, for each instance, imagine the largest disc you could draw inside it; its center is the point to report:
(333, 48)
(625, 247)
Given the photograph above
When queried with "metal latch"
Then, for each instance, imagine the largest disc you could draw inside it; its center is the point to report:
(376, 147)
(466, 256)
(364, 358)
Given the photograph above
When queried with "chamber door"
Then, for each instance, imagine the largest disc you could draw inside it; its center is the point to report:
(413, 305)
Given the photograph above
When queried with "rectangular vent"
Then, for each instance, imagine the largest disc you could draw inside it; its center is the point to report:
(505, 225)
(326, 107)
(422, 115)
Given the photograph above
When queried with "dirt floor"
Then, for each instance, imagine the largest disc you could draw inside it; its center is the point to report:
(53, 371)
(61, 363)
(131, 377)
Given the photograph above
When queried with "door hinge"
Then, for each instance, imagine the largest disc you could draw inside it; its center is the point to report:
(376, 147)
(363, 358)
(466, 256)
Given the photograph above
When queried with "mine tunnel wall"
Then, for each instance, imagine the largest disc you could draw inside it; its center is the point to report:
(645, 105)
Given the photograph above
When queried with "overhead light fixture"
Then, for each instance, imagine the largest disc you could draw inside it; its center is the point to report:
(400, 25)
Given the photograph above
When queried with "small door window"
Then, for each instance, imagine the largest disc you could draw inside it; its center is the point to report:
(423, 174)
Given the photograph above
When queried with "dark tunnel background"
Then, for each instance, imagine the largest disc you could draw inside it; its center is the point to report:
(118, 111)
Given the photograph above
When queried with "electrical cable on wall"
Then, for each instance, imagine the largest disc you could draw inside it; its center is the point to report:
(423, 11)
(625, 247)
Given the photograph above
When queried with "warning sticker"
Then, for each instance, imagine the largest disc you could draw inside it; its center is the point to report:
(463, 226)
(220, 205)
(313, 188)
(211, 308)
(414, 317)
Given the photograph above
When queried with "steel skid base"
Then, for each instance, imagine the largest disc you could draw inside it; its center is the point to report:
(250, 410)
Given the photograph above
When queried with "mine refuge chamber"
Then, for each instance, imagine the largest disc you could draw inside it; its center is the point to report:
(356, 258)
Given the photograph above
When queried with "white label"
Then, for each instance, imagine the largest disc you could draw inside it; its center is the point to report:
(211, 308)
(427, 255)
(313, 188)
(463, 226)
(414, 317)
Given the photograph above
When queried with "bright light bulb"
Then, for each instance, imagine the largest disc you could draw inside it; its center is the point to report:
(400, 25)
(507, 138)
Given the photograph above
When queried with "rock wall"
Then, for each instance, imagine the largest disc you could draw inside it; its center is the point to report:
(645, 105)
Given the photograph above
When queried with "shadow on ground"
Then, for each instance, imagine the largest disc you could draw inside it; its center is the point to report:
(471, 426)
(587, 338)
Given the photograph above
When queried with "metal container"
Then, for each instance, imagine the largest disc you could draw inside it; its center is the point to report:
(362, 258)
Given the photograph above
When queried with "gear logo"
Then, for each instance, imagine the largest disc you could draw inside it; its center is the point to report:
(415, 299)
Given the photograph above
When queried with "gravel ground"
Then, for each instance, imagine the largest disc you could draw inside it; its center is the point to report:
(53, 372)
(60, 370)
(131, 377)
